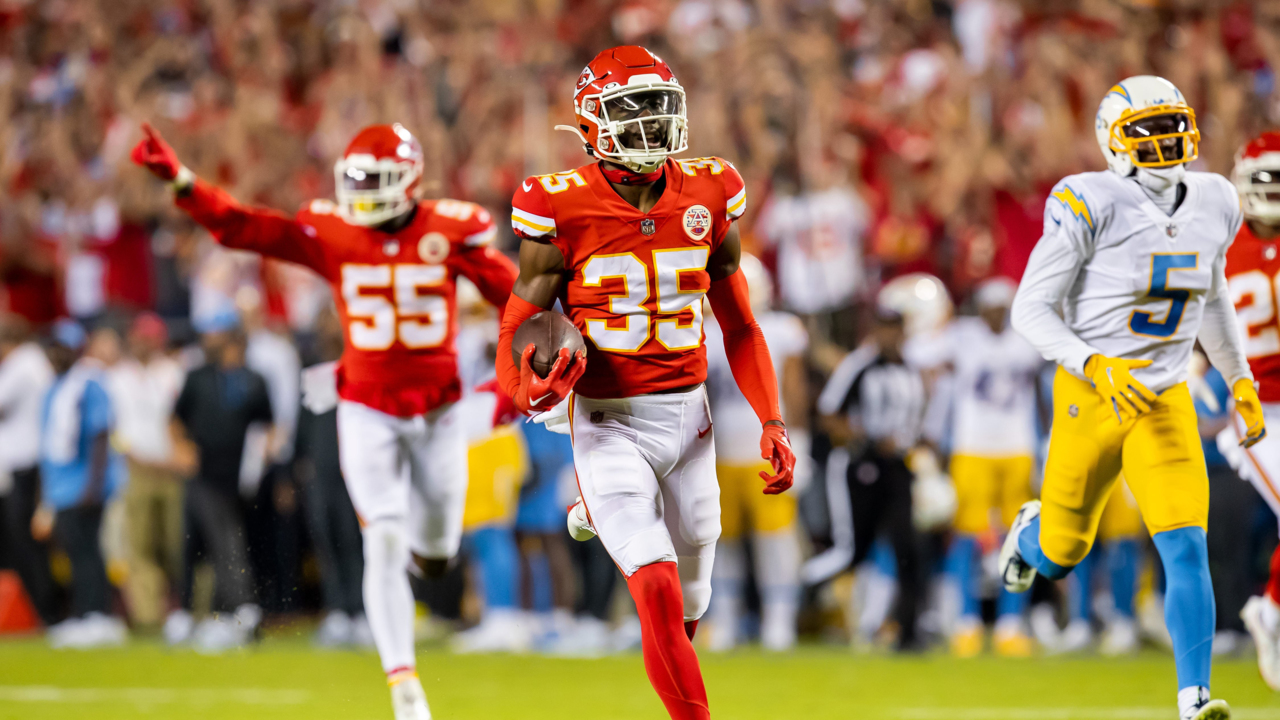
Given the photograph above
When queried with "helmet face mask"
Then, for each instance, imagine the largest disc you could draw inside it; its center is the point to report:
(644, 121)
(1159, 136)
(377, 179)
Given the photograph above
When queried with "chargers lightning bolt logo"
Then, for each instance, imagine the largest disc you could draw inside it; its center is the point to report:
(1074, 203)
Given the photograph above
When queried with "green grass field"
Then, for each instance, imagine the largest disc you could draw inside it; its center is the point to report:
(287, 679)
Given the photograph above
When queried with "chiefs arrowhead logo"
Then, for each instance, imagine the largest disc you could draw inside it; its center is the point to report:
(586, 78)
(433, 248)
(697, 222)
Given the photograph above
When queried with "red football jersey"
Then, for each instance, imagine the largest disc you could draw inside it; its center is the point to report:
(394, 292)
(1253, 273)
(635, 280)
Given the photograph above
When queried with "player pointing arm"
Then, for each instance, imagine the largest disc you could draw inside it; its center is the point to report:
(393, 261)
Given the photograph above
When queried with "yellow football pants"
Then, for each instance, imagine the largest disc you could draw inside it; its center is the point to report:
(989, 491)
(1121, 519)
(1159, 453)
(743, 505)
(496, 468)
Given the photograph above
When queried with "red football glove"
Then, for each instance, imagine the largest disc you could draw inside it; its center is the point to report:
(153, 153)
(541, 394)
(776, 448)
(504, 411)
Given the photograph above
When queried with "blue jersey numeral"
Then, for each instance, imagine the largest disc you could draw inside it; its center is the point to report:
(1161, 265)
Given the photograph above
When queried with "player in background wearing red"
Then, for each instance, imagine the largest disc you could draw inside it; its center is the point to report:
(1253, 277)
(393, 261)
(629, 245)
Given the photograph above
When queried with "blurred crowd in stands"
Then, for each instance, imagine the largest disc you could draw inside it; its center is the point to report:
(878, 139)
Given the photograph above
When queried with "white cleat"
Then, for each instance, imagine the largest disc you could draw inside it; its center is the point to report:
(1120, 638)
(1264, 639)
(1076, 637)
(334, 631)
(579, 525)
(178, 627)
(1210, 710)
(499, 631)
(589, 637)
(407, 697)
(1016, 574)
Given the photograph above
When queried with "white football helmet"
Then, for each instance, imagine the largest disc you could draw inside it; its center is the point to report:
(1257, 178)
(1144, 121)
(759, 284)
(920, 298)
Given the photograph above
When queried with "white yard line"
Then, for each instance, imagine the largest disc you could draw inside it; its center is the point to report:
(1162, 712)
(152, 696)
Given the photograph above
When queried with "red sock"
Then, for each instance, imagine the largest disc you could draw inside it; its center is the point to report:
(690, 627)
(1273, 582)
(669, 659)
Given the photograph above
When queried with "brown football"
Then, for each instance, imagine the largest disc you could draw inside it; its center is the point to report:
(548, 331)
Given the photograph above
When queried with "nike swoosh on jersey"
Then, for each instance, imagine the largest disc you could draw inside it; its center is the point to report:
(703, 433)
(527, 187)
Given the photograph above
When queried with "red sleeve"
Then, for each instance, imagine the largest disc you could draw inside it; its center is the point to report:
(518, 310)
(261, 230)
(735, 198)
(532, 215)
(745, 347)
(491, 271)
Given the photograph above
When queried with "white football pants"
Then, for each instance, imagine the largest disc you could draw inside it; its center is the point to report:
(407, 478)
(647, 473)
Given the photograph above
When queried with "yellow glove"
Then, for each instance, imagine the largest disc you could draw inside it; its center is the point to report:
(1250, 409)
(1118, 387)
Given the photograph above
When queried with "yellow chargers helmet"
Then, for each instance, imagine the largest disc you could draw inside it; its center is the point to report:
(1144, 121)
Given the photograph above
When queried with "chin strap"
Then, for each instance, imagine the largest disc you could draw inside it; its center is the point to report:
(616, 175)
(586, 145)
(623, 176)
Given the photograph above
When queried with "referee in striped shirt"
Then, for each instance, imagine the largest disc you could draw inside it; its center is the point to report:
(873, 407)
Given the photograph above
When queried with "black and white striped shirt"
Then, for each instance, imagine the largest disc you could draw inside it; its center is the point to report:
(885, 399)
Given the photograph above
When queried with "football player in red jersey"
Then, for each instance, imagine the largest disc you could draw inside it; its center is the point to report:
(1253, 277)
(630, 244)
(393, 261)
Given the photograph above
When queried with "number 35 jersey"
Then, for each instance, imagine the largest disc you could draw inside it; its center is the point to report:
(395, 293)
(1132, 281)
(634, 281)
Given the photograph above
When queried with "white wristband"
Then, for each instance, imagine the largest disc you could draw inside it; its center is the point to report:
(184, 180)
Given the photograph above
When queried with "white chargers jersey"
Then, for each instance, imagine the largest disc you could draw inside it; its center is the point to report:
(737, 429)
(1115, 275)
(993, 389)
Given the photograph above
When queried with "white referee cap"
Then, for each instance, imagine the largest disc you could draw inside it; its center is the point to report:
(995, 292)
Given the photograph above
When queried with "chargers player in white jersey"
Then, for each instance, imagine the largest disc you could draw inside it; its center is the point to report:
(992, 406)
(770, 520)
(1129, 273)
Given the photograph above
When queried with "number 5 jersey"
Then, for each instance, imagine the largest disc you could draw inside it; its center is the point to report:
(1129, 280)
(394, 292)
(634, 281)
